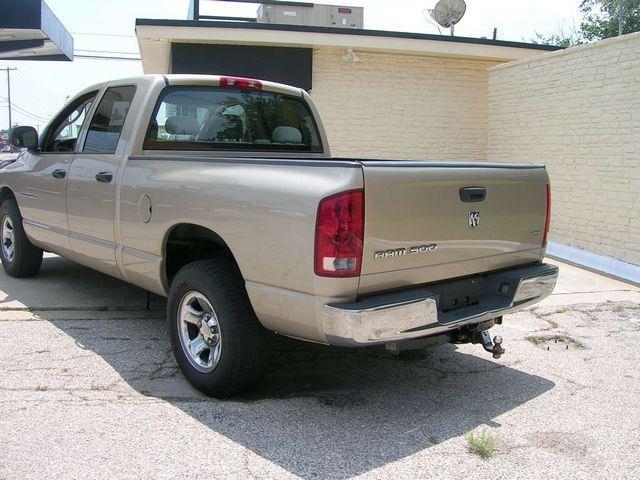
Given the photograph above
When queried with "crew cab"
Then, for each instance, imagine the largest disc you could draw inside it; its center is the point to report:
(220, 193)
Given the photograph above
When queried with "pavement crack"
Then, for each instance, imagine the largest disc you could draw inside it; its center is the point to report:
(594, 291)
(98, 308)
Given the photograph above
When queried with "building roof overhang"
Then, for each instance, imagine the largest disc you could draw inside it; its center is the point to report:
(156, 36)
(30, 31)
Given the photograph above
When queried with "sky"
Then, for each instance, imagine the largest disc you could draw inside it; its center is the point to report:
(107, 28)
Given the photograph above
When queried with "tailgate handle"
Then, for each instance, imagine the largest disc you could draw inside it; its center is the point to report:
(473, 194)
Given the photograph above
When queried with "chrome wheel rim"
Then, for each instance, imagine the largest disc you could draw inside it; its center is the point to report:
(199, 332)
(8, 239)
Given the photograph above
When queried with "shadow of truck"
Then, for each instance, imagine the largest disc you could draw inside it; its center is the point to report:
(320, 411)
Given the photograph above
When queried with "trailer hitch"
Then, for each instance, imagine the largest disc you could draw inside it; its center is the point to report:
(492, 346)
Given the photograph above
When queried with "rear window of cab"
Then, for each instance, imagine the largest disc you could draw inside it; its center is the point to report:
(218, 118)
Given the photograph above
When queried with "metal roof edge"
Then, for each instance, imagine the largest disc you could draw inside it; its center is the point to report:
(343, 31)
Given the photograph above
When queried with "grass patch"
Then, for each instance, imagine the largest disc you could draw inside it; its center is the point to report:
(559, 338)
(558, 311)
(482, 443)
(624, 308)
(553, 325)
(535, 340)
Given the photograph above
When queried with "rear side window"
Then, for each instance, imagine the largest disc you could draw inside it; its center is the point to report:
(213, 118)
(106, 124)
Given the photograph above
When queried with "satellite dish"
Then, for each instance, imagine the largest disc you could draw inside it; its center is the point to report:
(448, 12)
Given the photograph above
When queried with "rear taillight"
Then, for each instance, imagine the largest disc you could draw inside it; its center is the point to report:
(339, 235)
(240, 82)
(547, 221)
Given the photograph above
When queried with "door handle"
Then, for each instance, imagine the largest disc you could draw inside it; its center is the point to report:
(59, 173)
(104, 177)
(473, 194)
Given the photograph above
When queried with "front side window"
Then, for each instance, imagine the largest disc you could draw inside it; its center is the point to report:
(108, 120)
(63, 133)
(213, 118)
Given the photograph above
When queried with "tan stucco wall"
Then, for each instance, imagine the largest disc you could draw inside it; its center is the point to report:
(402, 106)
(577, 111)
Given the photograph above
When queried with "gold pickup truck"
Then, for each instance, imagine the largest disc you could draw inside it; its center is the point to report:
(220, 193)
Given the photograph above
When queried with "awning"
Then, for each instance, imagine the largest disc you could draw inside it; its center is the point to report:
(30, 31)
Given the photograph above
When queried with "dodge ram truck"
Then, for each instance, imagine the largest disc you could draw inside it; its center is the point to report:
(220, 194)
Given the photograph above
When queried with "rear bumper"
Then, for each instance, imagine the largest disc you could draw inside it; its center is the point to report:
(416, 313)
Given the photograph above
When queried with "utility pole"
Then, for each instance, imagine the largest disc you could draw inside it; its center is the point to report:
(8, 70)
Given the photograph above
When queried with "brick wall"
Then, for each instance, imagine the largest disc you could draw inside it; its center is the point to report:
(402, 106)
(577, 111)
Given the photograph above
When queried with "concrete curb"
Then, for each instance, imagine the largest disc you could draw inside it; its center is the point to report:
(594, 261)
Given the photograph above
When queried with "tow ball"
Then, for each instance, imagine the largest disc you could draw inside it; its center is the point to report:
(492, 346)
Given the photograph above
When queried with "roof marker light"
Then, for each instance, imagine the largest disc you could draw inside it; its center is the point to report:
(240, 82)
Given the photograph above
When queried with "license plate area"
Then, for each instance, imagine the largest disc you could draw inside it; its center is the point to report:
(460, 294)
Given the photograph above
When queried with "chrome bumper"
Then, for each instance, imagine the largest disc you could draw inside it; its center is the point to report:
(413, 314)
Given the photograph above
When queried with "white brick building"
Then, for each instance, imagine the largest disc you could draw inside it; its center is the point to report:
(414, 96)
(408, 96)
(578, 111)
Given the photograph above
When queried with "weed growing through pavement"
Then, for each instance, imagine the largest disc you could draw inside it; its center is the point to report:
(482, 443)
(560, 338)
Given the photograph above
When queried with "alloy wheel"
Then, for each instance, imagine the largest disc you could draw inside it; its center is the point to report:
(199, 332)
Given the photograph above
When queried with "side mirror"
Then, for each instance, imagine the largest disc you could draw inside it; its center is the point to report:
(23, 137)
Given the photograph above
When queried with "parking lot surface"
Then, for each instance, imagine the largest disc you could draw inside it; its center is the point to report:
(89, 389)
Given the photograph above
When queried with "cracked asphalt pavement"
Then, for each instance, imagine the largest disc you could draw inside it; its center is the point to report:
(89, 389)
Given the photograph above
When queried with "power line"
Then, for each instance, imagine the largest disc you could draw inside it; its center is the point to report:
(105, 51)
(32, 116)
(24, 110)
(41, 118)
(104, 57)
(104, 34)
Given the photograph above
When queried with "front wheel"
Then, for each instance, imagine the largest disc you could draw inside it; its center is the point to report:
(216, 338)
(20, 258)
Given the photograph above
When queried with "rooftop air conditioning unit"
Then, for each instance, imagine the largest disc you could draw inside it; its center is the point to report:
(313, 15)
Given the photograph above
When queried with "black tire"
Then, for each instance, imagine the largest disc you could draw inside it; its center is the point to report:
(244, 342)
(26, 258)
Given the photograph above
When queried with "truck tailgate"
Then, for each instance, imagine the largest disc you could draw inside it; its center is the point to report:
(428, 221)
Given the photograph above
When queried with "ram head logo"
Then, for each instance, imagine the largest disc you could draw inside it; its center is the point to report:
(474, 219)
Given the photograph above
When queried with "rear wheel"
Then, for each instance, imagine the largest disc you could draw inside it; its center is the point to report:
(20, 258)
(216, 338)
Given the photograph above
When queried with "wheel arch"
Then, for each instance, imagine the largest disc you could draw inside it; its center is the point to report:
(6, 193)
(185, 243)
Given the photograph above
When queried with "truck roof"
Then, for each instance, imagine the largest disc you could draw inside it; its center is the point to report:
(193, 79)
